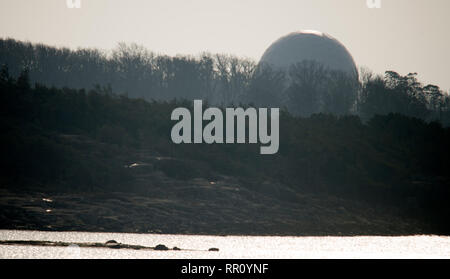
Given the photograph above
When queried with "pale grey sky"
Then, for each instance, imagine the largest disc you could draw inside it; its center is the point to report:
(403, 35)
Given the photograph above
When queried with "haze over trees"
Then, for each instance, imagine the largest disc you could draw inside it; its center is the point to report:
(74, 140)
(74, 121)
(220, 79)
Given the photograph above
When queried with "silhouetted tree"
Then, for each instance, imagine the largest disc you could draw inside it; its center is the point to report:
(307, 87)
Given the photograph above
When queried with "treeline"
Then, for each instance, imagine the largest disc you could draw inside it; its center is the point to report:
(306, 89)
(131, 70)
(78, 140)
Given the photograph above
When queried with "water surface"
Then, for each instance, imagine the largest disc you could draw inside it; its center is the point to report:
(245, 247)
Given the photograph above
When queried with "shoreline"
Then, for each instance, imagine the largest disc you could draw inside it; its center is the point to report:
(228, 235)
(218, 215)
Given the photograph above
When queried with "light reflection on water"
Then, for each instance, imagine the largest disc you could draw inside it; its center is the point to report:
(242, 247)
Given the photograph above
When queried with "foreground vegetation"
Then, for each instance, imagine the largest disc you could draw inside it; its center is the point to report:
(78, 141)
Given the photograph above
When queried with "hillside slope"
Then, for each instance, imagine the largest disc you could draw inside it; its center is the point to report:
(108, 164)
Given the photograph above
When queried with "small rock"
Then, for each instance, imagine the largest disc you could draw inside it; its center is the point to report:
(213, 249)
(161, 247)
(176, 248)
(112, 244)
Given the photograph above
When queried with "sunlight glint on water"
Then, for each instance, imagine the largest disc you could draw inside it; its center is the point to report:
(230, 246)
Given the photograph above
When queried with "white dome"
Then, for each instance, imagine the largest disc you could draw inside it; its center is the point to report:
(309, 45)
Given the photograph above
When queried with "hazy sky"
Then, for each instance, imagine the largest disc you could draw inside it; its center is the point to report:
(402, 35)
